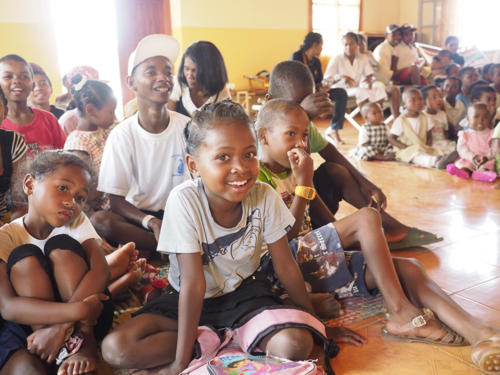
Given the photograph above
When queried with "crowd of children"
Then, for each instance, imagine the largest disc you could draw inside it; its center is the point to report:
(237, 225)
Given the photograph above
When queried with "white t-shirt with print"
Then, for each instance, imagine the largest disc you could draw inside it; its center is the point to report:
(144, 167)
(15, 234)
(229, 255)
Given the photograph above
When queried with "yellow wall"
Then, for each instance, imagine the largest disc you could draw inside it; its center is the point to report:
(26, 31)
(251, 35)
(377, 14)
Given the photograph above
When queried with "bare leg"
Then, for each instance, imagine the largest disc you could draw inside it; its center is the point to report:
(117, 229)
(395, 97)
(339, 178)
(22, 362)
(146, 341)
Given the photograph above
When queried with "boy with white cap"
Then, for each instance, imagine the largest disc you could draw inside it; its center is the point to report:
(143, 158)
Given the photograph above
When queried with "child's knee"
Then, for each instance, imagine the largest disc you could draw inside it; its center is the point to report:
(102, 222)
(115, 348)
(25, 260)
(410, 267)
(369, 218)
(22, 362)
(291, 343)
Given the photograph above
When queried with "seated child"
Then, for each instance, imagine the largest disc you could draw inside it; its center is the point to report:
(42, 91)
(451, 44)
(285, 164)
(143, 159)
(474, 147)
(468, 76)
(214, 230)
(439, 63)
(96, 105)
(51, 254)
(487, 95)
(495, 146)
(411, 133)
(12, 155)
(373, 141)
(451, 70)
(40, 129)
(410, 61)
(439, 124)
(337, 179)
(486, 73)
(495, 76)
(454, 108)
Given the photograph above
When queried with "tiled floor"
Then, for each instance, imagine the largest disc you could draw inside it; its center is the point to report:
(466, 264)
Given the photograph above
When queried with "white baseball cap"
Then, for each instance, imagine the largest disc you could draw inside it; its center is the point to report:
(151, 46)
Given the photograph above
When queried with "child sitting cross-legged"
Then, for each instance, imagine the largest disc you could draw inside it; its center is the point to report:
(411, 133)
(408, 291)
(454, 108)
(441, 130)
(373, 141)
(50, 258)
(474, 147)
(214, 230)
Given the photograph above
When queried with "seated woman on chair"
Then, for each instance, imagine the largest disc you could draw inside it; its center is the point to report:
(352, 71)
(308, 54)
(201, 79)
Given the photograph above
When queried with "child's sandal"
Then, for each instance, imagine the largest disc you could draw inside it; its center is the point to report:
(451, 338)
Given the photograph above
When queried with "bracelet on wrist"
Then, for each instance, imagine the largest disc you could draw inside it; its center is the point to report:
(145, 221)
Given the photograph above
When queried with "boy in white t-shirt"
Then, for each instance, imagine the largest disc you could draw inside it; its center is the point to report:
(143, 158)
(411, 133)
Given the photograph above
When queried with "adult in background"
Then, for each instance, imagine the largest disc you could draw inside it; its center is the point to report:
(201, 79)
(308, 54)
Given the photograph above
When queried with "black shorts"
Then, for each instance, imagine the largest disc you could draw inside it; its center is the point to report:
(62, 241)
(12, 338)
(329, 191)
(224, 311)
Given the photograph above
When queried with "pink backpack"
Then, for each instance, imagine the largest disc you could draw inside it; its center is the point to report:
(235, 351)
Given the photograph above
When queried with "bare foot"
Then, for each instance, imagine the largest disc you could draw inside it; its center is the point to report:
(129, 278)
(325, 305)
(121, 259)
(84, 361)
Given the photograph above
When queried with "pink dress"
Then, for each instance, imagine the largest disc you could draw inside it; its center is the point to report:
(471, 143)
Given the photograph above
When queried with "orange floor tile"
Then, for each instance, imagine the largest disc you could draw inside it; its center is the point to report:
(466, 264)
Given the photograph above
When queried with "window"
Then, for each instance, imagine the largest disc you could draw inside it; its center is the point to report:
(476, 23)
(85, 33)
(332, 19)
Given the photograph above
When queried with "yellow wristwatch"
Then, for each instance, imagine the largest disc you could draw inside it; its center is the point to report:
(306, 192)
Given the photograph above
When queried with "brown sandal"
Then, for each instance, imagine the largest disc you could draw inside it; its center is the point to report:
(486, 355)
(451, 338)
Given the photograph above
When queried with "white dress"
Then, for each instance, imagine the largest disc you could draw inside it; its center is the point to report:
(358, 71)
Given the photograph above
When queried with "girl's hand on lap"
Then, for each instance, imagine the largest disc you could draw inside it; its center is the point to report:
(46, 342)
(302, 166)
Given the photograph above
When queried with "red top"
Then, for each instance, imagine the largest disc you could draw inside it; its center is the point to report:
(43, 133)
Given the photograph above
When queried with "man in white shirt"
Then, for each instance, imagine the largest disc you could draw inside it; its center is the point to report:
(385, 53)
(143, 158)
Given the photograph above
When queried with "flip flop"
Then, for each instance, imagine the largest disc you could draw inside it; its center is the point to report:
(414, 238)
(486, 355)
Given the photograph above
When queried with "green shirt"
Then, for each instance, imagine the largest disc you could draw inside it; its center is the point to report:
(316, 140)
